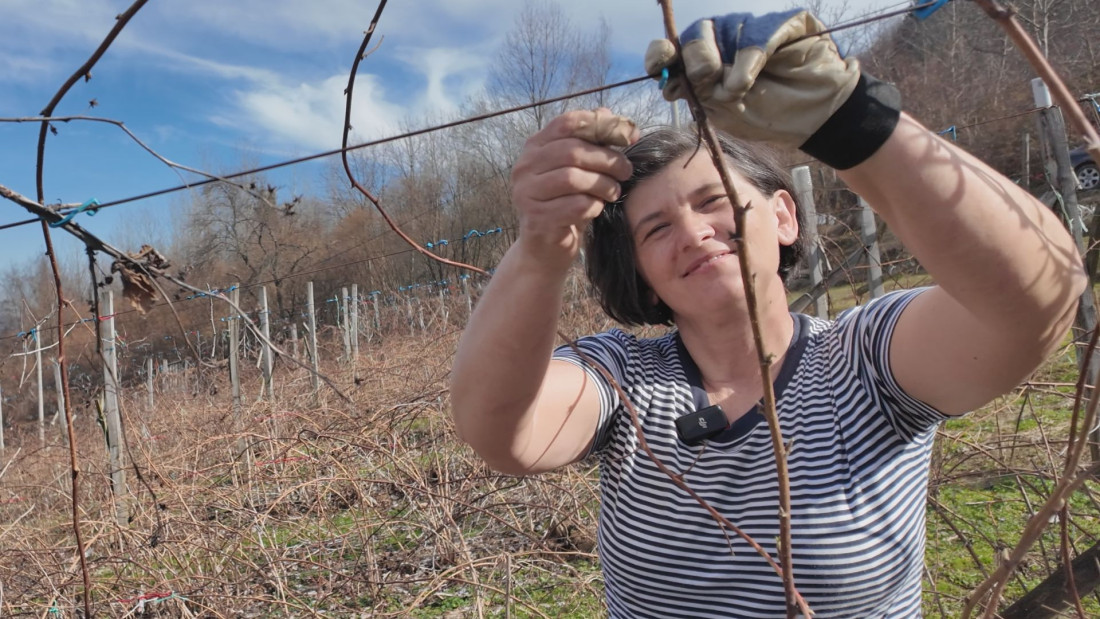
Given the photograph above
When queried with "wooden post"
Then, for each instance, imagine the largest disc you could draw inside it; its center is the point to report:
(149, 382)
(469, 301)
(1053, 126)
(377, 318)
(443, 308)
(235, 351)
(294, 338)
(110, 405)
(345, 322)
(874, 258)
(412, 323)
(41, 397)
(355, 322)
(185, 378)
(214, 335)
(60, 400)
(420, 313)
(313, 380)
(803, 187)
(265, 350)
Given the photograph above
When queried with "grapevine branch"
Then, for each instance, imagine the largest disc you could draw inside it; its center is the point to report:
(161, 158)
(765, 359)
(85, 72)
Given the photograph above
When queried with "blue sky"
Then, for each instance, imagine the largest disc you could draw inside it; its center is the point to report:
(222, 85)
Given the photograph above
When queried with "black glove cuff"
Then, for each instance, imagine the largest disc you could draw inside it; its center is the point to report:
(861, 125)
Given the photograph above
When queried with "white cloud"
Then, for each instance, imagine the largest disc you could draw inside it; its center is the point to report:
(311, 115)
(205, 67)
(451, 75)
(23, 69)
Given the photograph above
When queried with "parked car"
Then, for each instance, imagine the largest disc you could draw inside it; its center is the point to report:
(1088, 174)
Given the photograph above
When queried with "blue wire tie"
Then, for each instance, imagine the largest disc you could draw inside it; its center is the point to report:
(951, 130)
(92, 206)
(664, 78)
(922, 14)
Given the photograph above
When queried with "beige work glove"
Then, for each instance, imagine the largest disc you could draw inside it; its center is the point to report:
(757, 78)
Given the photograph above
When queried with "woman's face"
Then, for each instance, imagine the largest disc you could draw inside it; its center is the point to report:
(682, 226)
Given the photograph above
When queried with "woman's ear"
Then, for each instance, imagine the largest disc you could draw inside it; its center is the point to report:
(786, 217)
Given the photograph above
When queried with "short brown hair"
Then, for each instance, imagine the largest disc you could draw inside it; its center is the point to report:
(610, 262)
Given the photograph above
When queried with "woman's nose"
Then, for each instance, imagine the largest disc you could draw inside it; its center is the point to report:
(694, 230)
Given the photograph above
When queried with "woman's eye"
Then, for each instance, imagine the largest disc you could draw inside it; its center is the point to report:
(654, 230)
(713, 201)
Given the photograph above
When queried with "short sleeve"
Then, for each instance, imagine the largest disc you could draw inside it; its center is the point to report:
(865, 334)
(611, 352)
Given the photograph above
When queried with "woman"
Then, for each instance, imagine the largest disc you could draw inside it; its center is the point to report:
(858, 399)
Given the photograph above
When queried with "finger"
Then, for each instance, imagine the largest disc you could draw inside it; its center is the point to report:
(702, 58)
(572, 210)
(661, 54)
(578, 153)
(567, 181)
(674, 89)
(591, 125)
(741, 77)
(607, 128)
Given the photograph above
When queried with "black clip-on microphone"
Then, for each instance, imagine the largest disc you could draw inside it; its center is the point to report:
(694, 428)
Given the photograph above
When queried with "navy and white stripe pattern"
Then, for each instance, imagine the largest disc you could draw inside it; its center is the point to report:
(858, 469)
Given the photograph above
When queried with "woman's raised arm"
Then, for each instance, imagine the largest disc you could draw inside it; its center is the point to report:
(520, 411)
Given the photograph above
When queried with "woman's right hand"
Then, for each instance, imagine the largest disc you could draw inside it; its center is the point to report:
(563, 177)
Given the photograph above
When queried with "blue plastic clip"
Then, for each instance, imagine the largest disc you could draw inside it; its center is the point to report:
(664, 78)
(92, 206)
(928, 8)
(952, 131)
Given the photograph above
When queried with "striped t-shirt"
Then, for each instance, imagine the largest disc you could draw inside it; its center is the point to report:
(858, 465)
